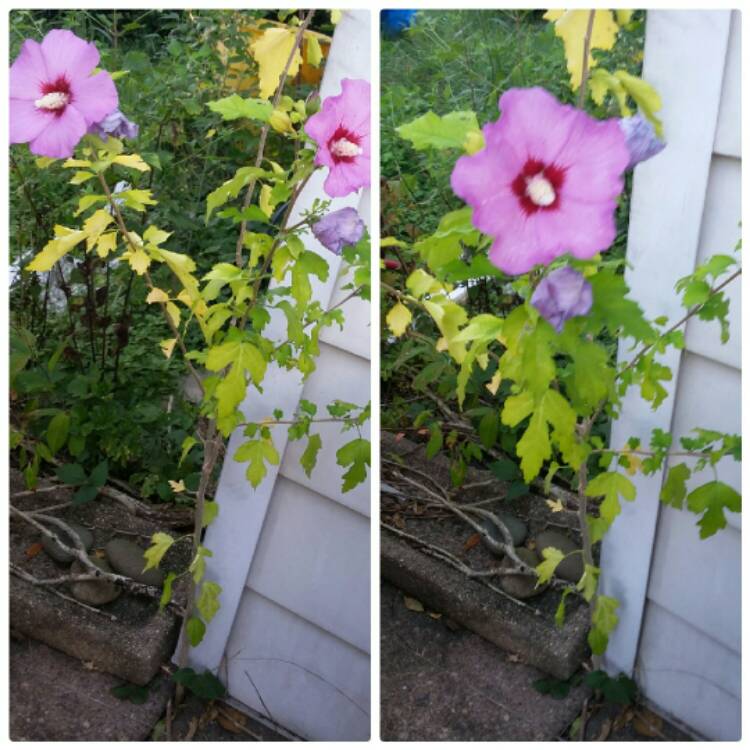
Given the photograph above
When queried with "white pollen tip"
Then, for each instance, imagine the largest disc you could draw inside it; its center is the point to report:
(52, 101)
(345, 147)
(540, 191)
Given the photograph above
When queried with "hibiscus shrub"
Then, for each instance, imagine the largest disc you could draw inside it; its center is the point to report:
(262, 120)
(541, 184)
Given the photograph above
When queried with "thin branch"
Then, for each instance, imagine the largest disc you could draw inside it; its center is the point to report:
(586, 53)
(264, 134)
(679, 323)
(127, 237)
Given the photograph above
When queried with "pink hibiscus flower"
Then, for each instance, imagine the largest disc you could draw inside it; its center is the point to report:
(53, 96)
(546, 182)
(342, 131)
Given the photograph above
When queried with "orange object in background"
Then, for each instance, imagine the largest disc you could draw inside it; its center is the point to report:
(238, 79)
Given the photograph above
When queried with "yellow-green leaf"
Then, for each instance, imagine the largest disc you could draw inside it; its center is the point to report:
(167, 347)
(160, 543)
(314, 52)
(271, 51)
(571, 26)
(398, 319)
(132, 161)
(65, 240)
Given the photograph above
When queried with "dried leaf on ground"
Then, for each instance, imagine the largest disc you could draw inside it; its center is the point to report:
(33, 550)
(232, 720)
(435, 615)
(647, 723)
(413, 604)
(472, 541)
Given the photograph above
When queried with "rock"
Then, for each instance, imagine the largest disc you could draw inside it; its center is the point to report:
(127, 559)
(94, 593)
(571, 568)
(520, 586)
(518, 529)
(54, 550)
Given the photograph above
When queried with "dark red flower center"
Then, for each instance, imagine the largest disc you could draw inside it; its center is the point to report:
(344, 145)
(537, 186)
(56, 95)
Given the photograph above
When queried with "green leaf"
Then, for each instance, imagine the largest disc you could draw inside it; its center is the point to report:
(99, 474)
(612, 486)
(233, 107)
(621, 689)
(612, 308)
(588, 582)
(136, 694)
(546, 569)
(310, 456)
(435, 443)
(208, 600)
(560, 611)
(198, 565)
(356, 455)
(57, 431)
(195, 630)
(71, 474)
(257, 453)
(187, 444)
(505, 470)
(711, 500)
(206, 686)
(160, 543)
(85, 494)
(488, 429)
(534, 447)
(433, 131)
(603, 620)
(210, 511)
(240, 353)
(166, 592)
(674, 490)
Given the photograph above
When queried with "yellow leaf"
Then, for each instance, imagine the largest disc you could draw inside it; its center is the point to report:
(167, 347)
(335, 16)
(157, 295)
(314, 53)
(271, 51)
(264, 200)
(70, 163)
(106, 244)
(474, 141)
(80, 177)
(156, 236)
(65, 240)
(571, 25)
(634, 463)
(280, 122)
(95, 225)
(138, 259)
(174, 313)
(398, 319)
(44, 161)
(623, 16)
(555, 506)
(133, 161)
(494, 384)
(177, 486)
(645, 96)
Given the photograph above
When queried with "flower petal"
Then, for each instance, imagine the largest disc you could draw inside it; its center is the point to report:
(28, 72)
(94, 97)
(347, 177)
(69, 55)
(595, 158)
(26, 121)
(536, 123)
(61, 136)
